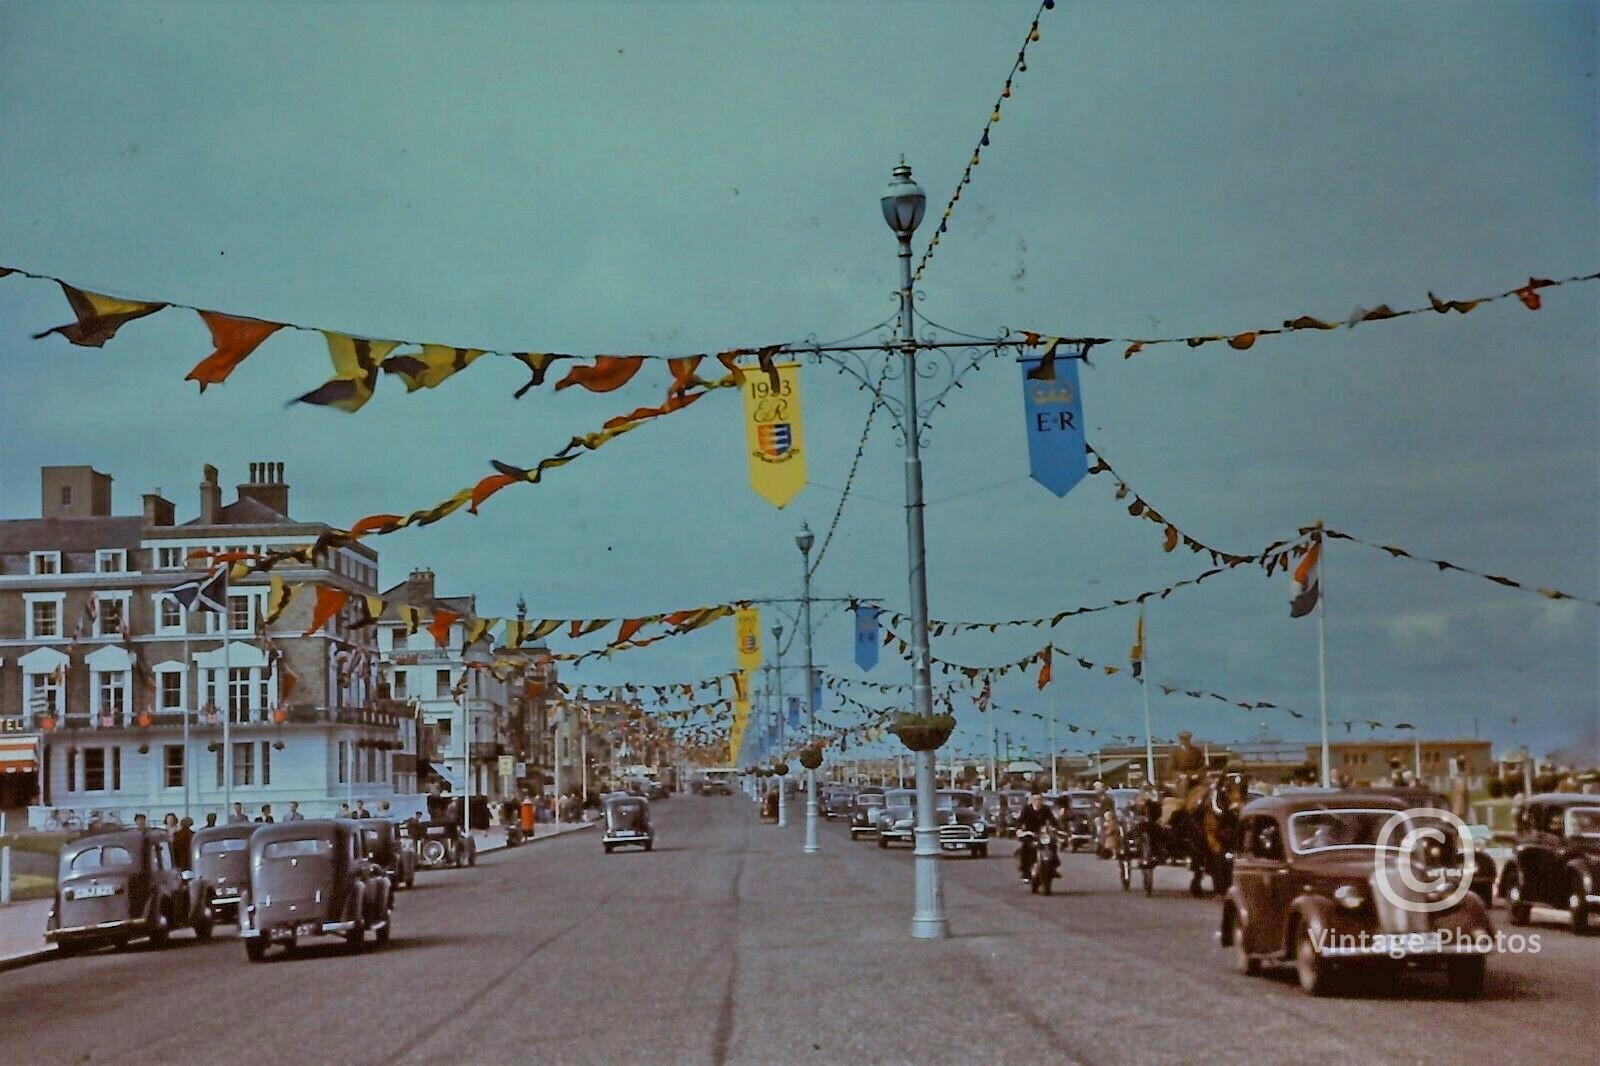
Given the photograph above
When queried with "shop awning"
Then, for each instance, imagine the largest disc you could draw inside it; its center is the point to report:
(451, 778)
(19, 754)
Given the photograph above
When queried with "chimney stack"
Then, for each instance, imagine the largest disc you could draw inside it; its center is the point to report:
(419, 586)
(210, 496)
(266, 487)
(158, 511)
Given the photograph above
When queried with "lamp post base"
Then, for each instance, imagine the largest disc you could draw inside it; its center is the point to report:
(928, 920)
(812, 847)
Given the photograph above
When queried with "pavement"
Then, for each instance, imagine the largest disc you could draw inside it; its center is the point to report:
(727, 944)
(22, 924)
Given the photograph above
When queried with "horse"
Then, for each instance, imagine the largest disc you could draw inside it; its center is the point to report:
(1208, 827)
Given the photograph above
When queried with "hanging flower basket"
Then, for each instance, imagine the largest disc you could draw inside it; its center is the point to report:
(144, 720)
(280, 715)
(811, 757)
(779, 769)
(47, 723)
(144, 749)
(923, 733)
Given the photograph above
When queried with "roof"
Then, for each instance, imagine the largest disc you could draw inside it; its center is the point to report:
(1566, 799)
(70, 534)
(1293, 802)
(398, 596)
(228, 831)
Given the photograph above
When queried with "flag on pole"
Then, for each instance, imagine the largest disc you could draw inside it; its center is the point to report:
(207, 593)
(1044, 671)
(1307, 587)
(1136, 656)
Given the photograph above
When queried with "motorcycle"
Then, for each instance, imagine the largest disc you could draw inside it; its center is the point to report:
(514, 835)
(1040, 859)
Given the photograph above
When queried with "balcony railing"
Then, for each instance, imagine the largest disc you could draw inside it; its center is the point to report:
(173, 719)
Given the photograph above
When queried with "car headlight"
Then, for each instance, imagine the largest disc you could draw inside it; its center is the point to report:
(979, 826)
(904, 823)
(1349, 896)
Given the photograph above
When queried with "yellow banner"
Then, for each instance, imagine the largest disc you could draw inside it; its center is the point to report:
(741, 714)
(747, 637)
(774, 434)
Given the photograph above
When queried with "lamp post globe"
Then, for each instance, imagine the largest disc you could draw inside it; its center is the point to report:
(903, 202)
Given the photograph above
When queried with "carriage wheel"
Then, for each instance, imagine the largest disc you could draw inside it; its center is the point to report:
(1126, 865)
(1147, 864)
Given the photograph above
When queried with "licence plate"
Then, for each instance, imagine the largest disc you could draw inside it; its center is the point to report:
(1409, 943)
(95, 892)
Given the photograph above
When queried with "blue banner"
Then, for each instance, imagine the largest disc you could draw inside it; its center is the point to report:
(1053, 406)
(867, 635)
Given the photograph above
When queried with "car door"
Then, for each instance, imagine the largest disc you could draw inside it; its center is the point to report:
(1267, 889)
(1537, 859)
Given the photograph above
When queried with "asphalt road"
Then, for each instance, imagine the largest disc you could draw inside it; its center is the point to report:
(728, 945)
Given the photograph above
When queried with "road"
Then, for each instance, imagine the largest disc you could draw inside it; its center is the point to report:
(728, 945)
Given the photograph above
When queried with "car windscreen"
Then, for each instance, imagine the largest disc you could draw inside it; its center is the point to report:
(224, 845)
(1583, 822)
(1080, 803)
(871, 799)
(299, 848)
(99, 858)
(1324, 830)
(900, 799)
(956, 799)
(625, 815)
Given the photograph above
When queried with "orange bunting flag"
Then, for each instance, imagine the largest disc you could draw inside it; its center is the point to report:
(580, 628)
(1531, 299)
(439, 628)
(99, 317)
(377, 523)
(629, 627)
(235, 339)
(329, 601)
(1242, 341)
(431, 366)
(683, 373)
(488, 487)
(355, 372)
(1044, 671)
(609, 373)
(1446, 306)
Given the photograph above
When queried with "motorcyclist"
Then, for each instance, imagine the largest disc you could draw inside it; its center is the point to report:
(1034, 817)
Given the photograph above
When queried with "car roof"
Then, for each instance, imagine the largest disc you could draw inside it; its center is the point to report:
(234, 830)
(1565, 799)
(125, 837)
(309, 827)
(1294, 803)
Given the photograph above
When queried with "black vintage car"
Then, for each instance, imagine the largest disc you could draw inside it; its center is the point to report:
(221, 856)
(864, 808)
(959, 815)
(1082, 821)
(1556, 860)
(386, 846)
(309, 879)
(897, 818)
(114, 887)
(1320, 882)
(441, 843)
(626, 823)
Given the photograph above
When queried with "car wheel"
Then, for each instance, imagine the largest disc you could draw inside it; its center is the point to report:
(1578, 906)
(1520, 911)
(608, 849)
(472, 857)
(1310, 967)
(1243, 963)
(882, 843)
(649, 844)
(355, 941)
(255, 949)
(433, 852)
(1465, 976)
(381, 937)
(161, 933)
(203, 924)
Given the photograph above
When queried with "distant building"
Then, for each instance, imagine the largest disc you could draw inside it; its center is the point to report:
(99, 668)
(1434, 762)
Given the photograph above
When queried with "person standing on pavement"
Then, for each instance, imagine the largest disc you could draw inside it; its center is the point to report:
(266, 813)
(211, 819)
(294, 814)
(343, 811)
(361, 810)
(183, 844)
(238, 814)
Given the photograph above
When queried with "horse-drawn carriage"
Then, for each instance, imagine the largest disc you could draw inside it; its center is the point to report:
(1195, 830)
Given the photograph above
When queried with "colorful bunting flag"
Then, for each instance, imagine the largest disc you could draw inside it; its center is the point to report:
(99, 317)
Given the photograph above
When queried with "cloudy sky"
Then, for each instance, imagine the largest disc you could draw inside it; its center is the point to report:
(678, 178)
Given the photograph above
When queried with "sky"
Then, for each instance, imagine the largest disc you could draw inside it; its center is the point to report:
(681, 178)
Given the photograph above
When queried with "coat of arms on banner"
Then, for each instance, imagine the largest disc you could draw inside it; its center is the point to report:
(775, 439)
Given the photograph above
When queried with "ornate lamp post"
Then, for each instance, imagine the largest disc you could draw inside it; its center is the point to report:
(803, 540)
(783, 797)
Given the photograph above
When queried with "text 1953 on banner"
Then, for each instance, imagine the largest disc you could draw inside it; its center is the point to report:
(774, 435)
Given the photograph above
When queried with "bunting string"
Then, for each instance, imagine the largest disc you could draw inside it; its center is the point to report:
(1442, 565)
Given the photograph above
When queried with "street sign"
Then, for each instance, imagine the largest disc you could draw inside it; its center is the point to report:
(522, 769)
(508, 763)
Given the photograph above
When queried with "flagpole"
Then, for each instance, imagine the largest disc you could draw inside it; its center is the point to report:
(1322, 664)
(227, 717)
(1149, 744)
(1055, 784)
(188, 693)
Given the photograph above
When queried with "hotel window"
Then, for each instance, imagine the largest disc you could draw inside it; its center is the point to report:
(244, 761)
(441, 684)
(44, 695)
(263, 691)
(239, 613)
(398, 640)
(172, 766)
(108, 617)
(372, 765)
(343, 764)
(66, 495)
(44, 563)
(398, 689)
(169, 615)
(110, 561)
(169, 558)
(171, 691)
(266, 762)
(112, 687)
(219, 765)
(44, 619)
(239, 692)
(94, 769)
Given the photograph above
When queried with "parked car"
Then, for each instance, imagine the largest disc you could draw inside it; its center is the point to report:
(1312, 888)
(311, 879)
(1556, 858)
(897, 816)
(626, 823)
(835, 801)
(864, 808)
(962, 827)
(383, 844)
(221, 857)
(1009, 804)
(441, 844)
(115, 887)
(1081, 826)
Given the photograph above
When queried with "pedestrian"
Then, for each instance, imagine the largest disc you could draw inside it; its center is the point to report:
(344, 811)
(266, 813)
(383, 810)
(183, 844)
(294, 814)
(211, 819)
(169, 822)
(361, 809)
(141, 822)
(238, 814)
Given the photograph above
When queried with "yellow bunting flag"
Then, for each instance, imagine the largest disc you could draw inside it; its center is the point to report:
(747, 638)
(774, 433)
(99, 317)
(427, 368)
(355, 372)
(278, 597)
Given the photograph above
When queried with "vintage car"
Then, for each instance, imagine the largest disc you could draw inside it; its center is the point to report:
(958, 813)
(864, 808)
(1008, 805)
(1321, 882)
(309, 879)
(1484, 876)
(1556, 860)
(626, 823)
(113, 887)
(440, 843)
(221, 856)
(384, 844)
(834, 801)
(1081, 826)
(897, 816)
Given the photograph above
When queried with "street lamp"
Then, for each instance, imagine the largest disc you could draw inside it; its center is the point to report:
(803, 540)
(903, 203)
(783, 799)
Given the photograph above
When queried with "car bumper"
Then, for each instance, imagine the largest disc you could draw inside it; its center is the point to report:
(1408, 946)
(864, 830)
(895, 834)
(115, 929)
(626, 838)
(295, 930)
